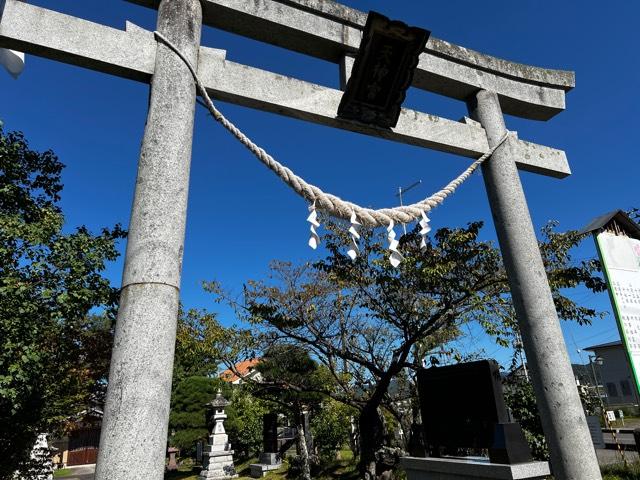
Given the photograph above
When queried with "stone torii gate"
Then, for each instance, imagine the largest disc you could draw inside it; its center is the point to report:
(136, 415)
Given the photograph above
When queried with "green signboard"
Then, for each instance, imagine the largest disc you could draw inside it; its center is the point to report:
(620, 256)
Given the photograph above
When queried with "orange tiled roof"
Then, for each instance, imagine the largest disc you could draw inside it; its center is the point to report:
(243, 368)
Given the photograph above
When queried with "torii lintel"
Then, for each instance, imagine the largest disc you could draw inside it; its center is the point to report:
(328, 30)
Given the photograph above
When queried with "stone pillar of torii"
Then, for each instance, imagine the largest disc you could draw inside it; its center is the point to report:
(134, 430)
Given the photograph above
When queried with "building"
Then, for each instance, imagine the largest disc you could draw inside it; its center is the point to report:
(80, 444)
(242, 372)
(612, 368)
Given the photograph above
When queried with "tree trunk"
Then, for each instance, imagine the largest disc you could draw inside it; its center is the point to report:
(302, 448)
(372, 429)
(371, 440)
(354, 437)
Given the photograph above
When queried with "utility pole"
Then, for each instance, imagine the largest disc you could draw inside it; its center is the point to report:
(142, 360)
(522, 362)
(594, 360)
(563, 420)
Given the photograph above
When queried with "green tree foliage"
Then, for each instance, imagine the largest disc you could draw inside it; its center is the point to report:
(521, 400)
(289, 377)
(198, 342)
(331, 427)
(244, 425)
(54, 356)
(188, 418)
(565, 273)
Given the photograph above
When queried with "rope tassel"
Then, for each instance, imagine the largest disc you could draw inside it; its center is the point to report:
(355, 236)
(396, 257)
(424, 229)
(314, 239)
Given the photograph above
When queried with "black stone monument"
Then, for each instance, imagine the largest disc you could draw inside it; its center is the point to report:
(463, 407)
(270, 454)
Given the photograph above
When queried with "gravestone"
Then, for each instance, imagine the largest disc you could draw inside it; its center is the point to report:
(199, 451)
(269, 458)
(270, 455)
(218, 461)
(471, 469)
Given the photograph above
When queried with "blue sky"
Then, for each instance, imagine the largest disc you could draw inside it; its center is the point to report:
(240, 216)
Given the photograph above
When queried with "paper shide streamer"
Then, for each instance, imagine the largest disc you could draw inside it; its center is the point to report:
(424, 229)
(314, 239)
(395, 257)
(355, 237)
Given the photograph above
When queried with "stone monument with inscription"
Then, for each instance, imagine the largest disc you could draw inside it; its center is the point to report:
(270, 457)
(218, 456)
(482, 424)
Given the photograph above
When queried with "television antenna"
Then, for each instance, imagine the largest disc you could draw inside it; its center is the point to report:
(402, 190)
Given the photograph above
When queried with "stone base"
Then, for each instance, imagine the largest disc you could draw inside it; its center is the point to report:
(218, 473)
(471, 468)
(259, 470)
(219, 465)
(270, 458)
(219, 457)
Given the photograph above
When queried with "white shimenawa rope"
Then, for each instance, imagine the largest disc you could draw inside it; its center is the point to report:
(325, 201)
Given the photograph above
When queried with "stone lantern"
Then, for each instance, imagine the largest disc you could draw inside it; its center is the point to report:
(218, 456)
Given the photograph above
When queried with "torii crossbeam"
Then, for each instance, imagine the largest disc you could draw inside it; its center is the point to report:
(133, 438)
